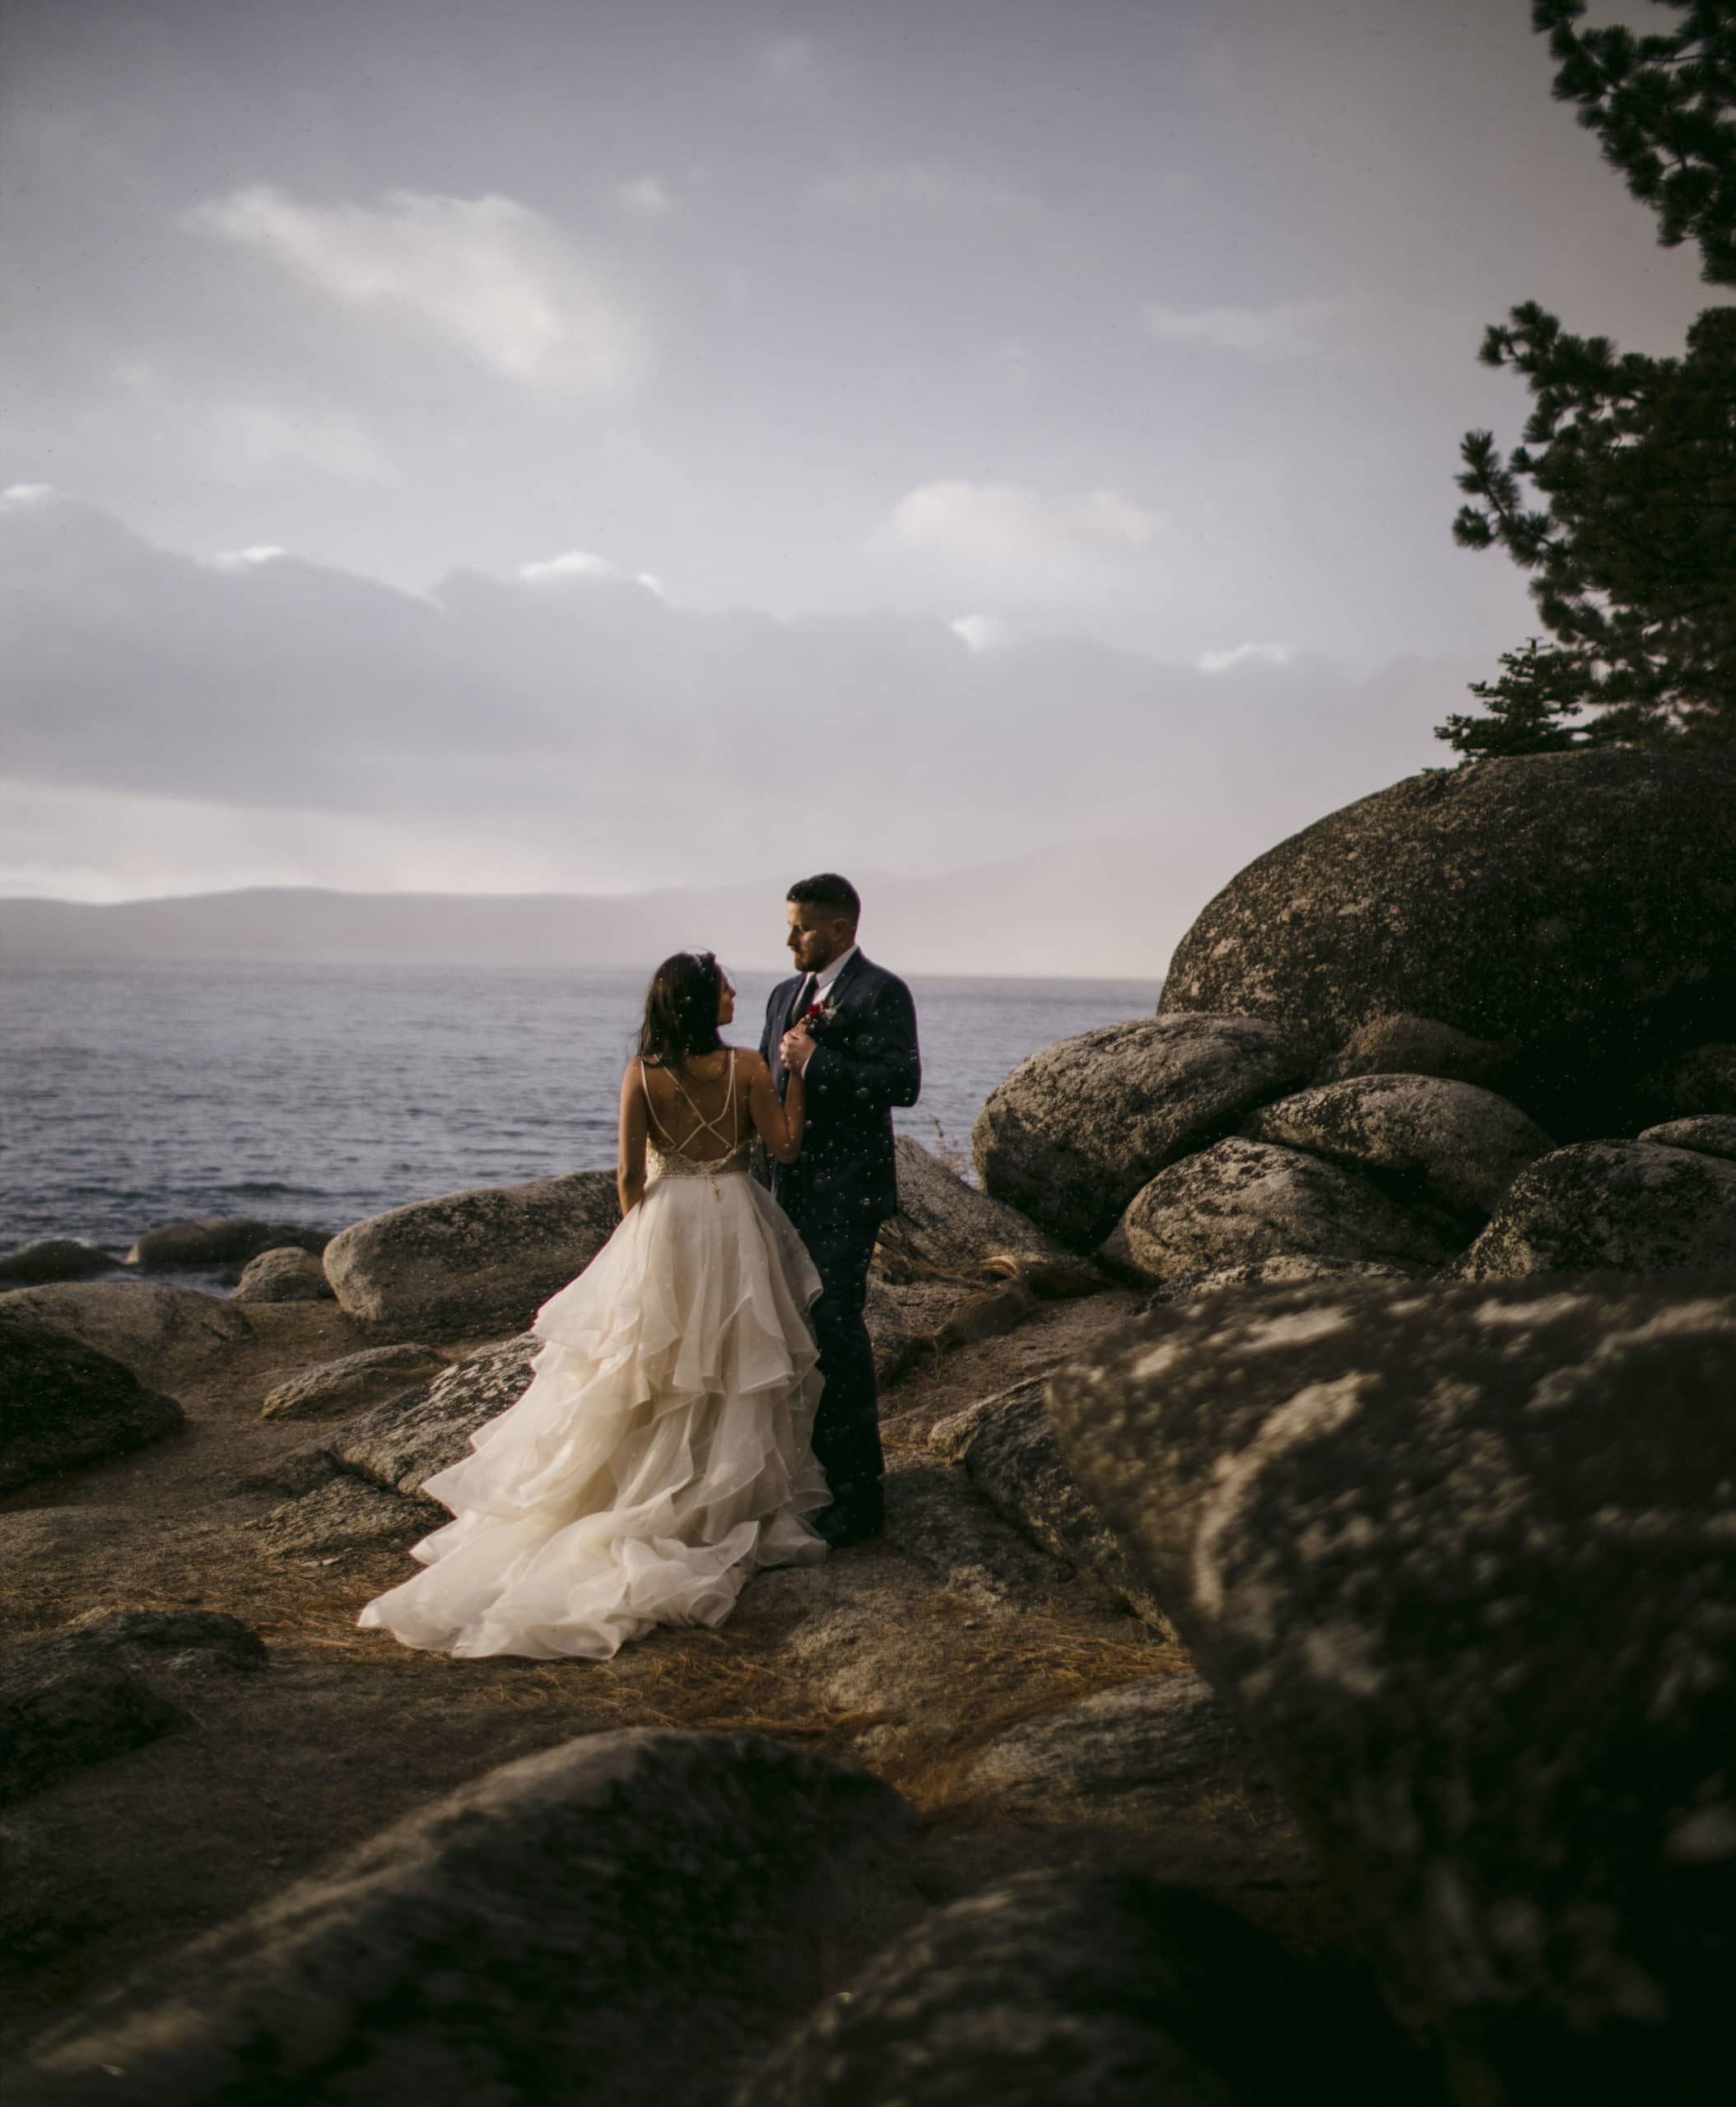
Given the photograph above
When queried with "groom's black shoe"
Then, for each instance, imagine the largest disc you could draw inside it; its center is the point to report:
(857, 1513)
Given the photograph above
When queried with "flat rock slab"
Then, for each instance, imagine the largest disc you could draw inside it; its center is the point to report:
(1065, 1989)
(157, 1332)
(343, 1514)
(62, 1403)
(1241, 1201)
(1077, 1129)
(1712, 1133)
(221, 1241)
(1463, 1145)
(1462, 1560)
(490, 1256)
(353, 1382)
(284, 1275)
(403, 1443)
(1620, 1206)
(625, 1916)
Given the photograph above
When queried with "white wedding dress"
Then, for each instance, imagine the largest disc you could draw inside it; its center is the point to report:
(660, 1453)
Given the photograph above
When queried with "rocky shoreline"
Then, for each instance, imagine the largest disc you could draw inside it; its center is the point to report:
(1309, 1596)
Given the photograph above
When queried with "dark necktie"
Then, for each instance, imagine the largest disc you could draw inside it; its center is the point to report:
(804, 999)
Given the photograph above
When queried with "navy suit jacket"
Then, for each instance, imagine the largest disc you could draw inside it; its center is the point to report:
(865, 1061)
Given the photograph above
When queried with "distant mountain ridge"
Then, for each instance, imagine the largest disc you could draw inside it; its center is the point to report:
(1093, 911)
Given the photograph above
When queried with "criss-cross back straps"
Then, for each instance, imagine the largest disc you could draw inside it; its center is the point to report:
(722, 1128)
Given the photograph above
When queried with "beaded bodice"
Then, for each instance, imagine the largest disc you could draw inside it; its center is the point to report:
(664, 1162)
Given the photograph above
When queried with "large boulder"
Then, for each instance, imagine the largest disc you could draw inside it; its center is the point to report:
(472, 1261)
(353, 1382)
(1577, 904)
(1241, 1201)
(1461, 1144)
(624, 1916)
(61, 1403)
(1077, 1129)
(221, 1241)
(53, 1258)
(1622, 1207)
(1714, 1134)
(1460, 1558)
(946, 1229)
(156, 1331)
(1272, 1273)
(285, 1275)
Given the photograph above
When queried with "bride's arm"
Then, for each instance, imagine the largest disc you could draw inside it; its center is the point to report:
(630, 1157)
(778, 1125)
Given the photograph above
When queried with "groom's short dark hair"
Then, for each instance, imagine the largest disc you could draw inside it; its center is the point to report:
(827, 890)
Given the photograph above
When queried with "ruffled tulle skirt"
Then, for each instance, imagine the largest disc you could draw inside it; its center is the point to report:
(660, 1454)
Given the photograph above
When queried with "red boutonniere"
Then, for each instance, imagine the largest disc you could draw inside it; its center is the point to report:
(817, 1015)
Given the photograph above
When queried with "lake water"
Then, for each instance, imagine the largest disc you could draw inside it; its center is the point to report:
(321, 1094)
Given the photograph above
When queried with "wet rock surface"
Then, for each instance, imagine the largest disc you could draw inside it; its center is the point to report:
(221, 1241)
(284, 1275)
(525, 1939)
(1623, 1207)
(1462, 1146)
(1075, 1131)
(63, 1404)
(1577, 904)
(352, 1381)
(1462, 1560)
(158, 1333)
(488, 1257)
(1241, 1201)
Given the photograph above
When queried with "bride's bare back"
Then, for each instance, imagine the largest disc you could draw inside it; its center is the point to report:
(705, 1108)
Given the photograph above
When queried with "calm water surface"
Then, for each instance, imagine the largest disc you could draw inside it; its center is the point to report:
(322, 1095)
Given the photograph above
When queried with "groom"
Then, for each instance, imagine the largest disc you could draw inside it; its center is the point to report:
(856, 1048)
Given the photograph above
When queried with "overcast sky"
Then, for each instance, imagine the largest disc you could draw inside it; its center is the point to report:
(561, 442)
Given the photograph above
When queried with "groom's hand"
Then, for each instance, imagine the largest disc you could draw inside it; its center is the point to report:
(796, 1047)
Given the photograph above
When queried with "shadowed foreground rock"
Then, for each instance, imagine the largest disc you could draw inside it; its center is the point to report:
(468, 1261)
(1080, 1990)
(1577, 904)
(61, 1403)
(1463, 1559)
(1077, 1129)
(1630, 1206)
(624, 1917)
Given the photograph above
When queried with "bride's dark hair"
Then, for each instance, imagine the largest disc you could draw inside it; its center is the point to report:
(681, 1010)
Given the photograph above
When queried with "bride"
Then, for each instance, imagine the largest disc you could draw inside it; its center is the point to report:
(661, 1452)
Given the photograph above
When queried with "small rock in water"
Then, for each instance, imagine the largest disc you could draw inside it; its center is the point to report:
(53, 1258)
(220, 1240)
